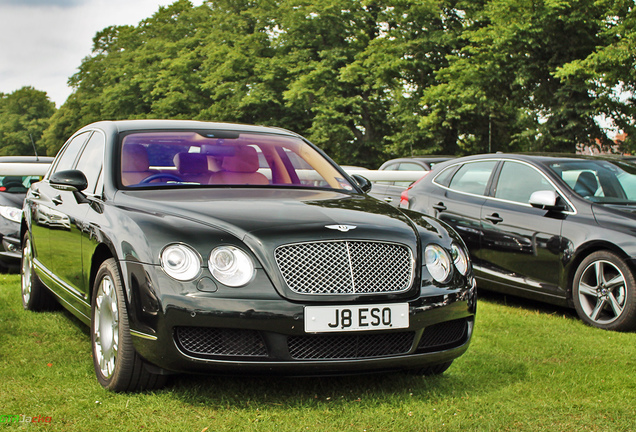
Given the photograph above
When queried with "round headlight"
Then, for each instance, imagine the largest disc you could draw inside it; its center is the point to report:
(180, 262)
(437, 262)
(11, 213)
(460, 259)
(231, 266)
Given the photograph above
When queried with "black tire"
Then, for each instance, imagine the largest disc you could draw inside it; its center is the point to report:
(603, 292)
(35, 295)
(437, 369)
(117, 365)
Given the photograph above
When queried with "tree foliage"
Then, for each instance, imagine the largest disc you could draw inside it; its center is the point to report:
(24, 115)
(371, 79)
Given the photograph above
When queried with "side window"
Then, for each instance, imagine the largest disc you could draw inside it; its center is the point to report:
(473, 177)
(517, 181)
(390, 167)
(69, 153)
(92, 160)
(445, 176)
(409, 166)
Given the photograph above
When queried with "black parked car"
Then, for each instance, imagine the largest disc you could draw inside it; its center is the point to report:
(16, 175)
(184, 254)
(557, 229)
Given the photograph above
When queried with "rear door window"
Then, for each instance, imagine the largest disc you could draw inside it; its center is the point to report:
(473, 177)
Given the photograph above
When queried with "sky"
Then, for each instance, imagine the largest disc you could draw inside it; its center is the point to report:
(43, 42)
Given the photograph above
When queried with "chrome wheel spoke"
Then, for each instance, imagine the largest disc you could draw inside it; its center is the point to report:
(616, 306)
(586, 289)
(597, 310)
(615, 282)
(598, 269)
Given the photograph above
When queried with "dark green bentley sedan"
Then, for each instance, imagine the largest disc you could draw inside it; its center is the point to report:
(194, 247)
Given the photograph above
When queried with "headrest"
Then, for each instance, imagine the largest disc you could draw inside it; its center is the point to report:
(12, 179)
(245, 160)
(134, 158)
(191, 163)
(213, 164)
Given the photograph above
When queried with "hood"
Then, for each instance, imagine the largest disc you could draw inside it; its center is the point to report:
(279, 216)
(12, 199)
(625, 210)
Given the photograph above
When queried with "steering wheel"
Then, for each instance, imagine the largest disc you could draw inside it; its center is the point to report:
(161, 175)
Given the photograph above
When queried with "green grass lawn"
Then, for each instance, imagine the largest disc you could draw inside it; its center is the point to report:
(531, 367)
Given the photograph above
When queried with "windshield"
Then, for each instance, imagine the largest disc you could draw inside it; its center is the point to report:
(216, 158)
(600, 181)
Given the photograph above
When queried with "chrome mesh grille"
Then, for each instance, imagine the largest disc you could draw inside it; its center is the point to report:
(346, 267)
(345, 346)
(444, 335)
(204, 341)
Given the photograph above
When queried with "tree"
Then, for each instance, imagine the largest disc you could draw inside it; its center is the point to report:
(501, 91)
(608, 72)
(147, 71)
(371, 79)
(24, 115)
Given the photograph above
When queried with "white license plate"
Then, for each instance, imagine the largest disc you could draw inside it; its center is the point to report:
(356, 318)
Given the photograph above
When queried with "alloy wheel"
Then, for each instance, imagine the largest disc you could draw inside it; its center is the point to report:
(602, 292)
(27, 267)
(106, 327)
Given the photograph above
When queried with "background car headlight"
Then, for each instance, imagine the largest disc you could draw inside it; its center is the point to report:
(438, 262)
(180, 262)
(231, 266)
(11, 213)
(460, 259)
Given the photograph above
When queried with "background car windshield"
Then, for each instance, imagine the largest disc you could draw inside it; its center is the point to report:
(599, 181)
(160, 159)
(17, 184)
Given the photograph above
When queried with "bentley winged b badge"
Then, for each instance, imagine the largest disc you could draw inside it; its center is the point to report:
(342, 228)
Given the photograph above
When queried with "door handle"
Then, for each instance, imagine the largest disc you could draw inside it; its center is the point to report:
(57, 200)
(494, 218)
(440, 207)
(388, 199)
(35, 193)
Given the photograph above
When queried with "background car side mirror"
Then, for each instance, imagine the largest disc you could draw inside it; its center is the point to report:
(546, 200)
(69, 180)
(363, 182)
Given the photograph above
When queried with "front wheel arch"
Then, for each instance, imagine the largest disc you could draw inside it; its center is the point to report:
(118, 367)
(581, 254)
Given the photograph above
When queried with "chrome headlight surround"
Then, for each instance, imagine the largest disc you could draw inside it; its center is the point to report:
(460, 259)
(180, 262)
(438, 262)
(231, 266)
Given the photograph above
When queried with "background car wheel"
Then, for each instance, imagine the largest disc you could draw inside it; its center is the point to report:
(117, 365)
(432, 370)
(603, 292)
(35, 296)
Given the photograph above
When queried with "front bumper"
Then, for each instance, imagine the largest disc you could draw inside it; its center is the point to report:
(207, 332)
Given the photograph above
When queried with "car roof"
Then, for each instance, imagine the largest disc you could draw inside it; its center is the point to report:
(542, 158)
(151, 124)
(424, 160)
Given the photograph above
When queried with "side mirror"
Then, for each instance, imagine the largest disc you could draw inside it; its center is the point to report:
(363, 182)
(547, 200)
(70, 180)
